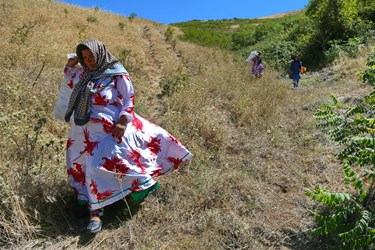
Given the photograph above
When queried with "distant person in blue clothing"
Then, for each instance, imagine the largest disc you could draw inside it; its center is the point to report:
(295, 70)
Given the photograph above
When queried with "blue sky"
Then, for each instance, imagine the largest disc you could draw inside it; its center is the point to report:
(172, 11)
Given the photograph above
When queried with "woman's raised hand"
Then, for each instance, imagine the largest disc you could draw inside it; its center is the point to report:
(72, 61)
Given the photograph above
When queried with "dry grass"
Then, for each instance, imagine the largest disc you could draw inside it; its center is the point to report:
(282, 14)
(254, 142)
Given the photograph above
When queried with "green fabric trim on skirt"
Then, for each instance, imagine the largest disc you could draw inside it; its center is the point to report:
(82, 203)
(140, 196)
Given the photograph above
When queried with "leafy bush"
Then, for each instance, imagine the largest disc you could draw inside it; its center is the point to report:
(348, 219)
(277, 53)
(326, 30)
(267, 30)
(300, 30)
(121, 25)
(132, 16)
(92, 19)
(334, 19)
(338, 49)
(169, 33)
(21, 34)
(244, 35)
(124, 58)
(82, 32)
(366, 10)
(335, 50)
(170, 84)
(369, 73)
(352, 46)
(243, 38)
(211, 38)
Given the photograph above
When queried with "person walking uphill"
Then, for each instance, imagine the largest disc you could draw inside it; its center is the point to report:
(295, 70)
(258, 67)
(111, 151)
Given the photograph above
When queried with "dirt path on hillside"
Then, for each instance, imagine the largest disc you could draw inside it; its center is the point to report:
(154, 76)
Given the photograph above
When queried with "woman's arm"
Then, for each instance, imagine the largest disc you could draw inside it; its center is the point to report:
(125, 88)
(72, 73)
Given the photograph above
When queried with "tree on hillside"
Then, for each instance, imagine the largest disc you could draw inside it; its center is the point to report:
(366, 9)
(334, 19)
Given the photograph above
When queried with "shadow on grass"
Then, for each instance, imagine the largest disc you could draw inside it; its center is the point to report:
(114, 215)
(302, 241)
(61, 217)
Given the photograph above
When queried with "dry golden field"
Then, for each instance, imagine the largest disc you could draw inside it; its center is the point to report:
(255, 145)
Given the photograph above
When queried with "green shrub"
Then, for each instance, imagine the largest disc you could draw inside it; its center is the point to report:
(369, 73)
(124, 58)
(170, 84)
(169, 33)
(121, 25)
(21, 34)
(132, 16)
(66, 12)
(347, 219)
(96, 9)
(366, 9)
(82, 32)
(335, 51)
(339, 49)
(267, 30)
(210, 38)
(276, 54)
(92, 19)
(352, 46)
(334, 19)
(243, 38)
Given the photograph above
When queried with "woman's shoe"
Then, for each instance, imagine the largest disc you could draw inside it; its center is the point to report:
(94, 226)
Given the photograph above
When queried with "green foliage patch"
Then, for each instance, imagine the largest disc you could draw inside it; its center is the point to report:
(170, 84)
(347, 219)
(326, 30)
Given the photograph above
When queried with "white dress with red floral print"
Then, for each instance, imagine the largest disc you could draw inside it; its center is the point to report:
(103, 169)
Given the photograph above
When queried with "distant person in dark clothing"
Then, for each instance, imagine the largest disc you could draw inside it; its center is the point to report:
(295, 70)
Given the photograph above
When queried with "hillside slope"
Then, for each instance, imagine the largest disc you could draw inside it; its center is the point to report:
(254, 142)
(278, 15)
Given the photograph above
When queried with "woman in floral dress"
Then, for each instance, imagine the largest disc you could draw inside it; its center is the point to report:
(111, 151)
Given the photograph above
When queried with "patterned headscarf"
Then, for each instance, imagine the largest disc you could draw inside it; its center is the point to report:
(79, 101)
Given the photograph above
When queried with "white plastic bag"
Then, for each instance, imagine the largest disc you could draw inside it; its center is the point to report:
(62, 101)
(251, 56)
